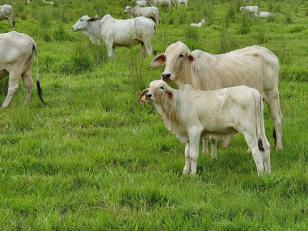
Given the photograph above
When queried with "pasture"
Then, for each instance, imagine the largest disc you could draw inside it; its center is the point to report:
(93, 159)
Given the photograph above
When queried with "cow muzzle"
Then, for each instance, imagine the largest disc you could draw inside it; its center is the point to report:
(166, 76)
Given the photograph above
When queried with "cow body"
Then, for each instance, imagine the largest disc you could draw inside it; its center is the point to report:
(199, 24)
(190, 114)
(116, 32)
(252, 10)
(265, 14)
(253, 66)
(183, 2)
(148, 12)
(7, 12)
(167, 3)
(16, 54)
(141, 3)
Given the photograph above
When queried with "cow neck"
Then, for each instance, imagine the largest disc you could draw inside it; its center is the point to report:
(169, 111)
(186, 76)
(94, 31)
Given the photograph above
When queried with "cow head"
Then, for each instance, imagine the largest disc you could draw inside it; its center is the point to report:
(83, 23)
(158, 92)
(177, 59)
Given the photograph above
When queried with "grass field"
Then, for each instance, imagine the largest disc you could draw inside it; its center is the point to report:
(93, 159)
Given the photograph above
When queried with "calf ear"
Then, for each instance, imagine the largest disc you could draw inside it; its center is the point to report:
(191, 58)
(141, 97)
(159, 60)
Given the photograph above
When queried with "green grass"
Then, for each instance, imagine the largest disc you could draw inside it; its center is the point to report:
(93, 159)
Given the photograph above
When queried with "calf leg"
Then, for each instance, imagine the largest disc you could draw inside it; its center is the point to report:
(186, 168)
(28, 81)
(13, 87)
(256, 153)
(274, 105)
(194, 139)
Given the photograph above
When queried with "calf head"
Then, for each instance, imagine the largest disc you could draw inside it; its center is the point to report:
(158, 92)
(83, 23)
(177, 59)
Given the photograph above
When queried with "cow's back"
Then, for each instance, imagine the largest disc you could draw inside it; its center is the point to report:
(253, 66)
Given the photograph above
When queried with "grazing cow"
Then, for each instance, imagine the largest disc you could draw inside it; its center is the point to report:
(141, 2)
(16, 54)
(43, 1)
(162, 3)
(253, 66)
(264, 14)
(251, 10)
(7, 12)
(148, 12)
(191, 113)
(115, 32)
(199, 24)
(183, 2)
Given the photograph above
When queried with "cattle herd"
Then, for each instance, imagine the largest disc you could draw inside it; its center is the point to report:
(218, 95)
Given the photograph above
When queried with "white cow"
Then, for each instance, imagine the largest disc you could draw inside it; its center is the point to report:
(162, 3)
(199, 24)
(116, 32)
(43, 1)
(251, 10)
(264, 14)
(7, 12)
(254, 66)
(141, 2)
(16, 54)
(191, 113)
(183, 2)
(148, 12)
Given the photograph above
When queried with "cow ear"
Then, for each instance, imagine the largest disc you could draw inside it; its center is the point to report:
(170, 94)
(191, 58)
(92, 19)
(159, 60)
(141, 97)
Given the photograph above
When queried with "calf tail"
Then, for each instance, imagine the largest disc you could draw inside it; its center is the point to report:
(38, 84)
(260, 121)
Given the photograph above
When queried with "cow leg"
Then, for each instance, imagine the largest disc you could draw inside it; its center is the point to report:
(110, 50)
(28, 82)
(148, 47)
(256, 153)
(205, 143)
(274, 105)
(13, 87)
(267, 161)
(186, 168)
(143, 50)
(194, 140)
(214, 142)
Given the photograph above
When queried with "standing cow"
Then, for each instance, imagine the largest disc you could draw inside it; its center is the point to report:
(253, 66)
(16, 55)
(116, 32)
(7, 12)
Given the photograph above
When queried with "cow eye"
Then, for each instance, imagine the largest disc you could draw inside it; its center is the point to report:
(181, 55)
(162, 88)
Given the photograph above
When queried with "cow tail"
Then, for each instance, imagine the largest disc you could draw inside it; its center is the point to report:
(38, 84)
(260, 121)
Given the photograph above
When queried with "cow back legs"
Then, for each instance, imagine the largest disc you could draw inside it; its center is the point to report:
(28, 82)
(274, 105)
(186, 168)
(13, 87)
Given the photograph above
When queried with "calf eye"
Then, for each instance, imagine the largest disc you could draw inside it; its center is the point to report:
(181, 55)
(162, 88)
